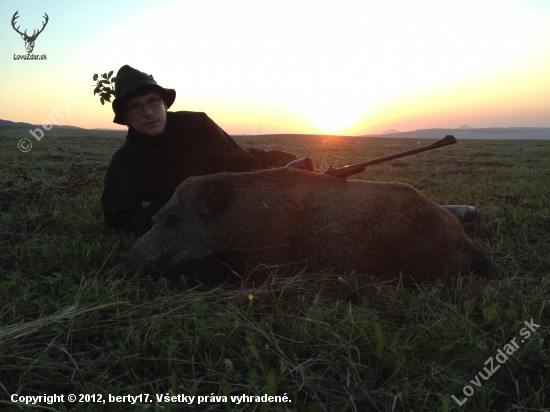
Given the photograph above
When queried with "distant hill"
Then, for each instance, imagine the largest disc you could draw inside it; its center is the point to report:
(21, 124)
(21, 129)
(465, 127)
(390, 131)
(494, 133)
(14, 124)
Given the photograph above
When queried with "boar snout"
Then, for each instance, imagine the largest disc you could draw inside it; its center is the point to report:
(124, 267)
(134, 261)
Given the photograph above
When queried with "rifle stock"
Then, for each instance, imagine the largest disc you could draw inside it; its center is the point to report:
(350, 170)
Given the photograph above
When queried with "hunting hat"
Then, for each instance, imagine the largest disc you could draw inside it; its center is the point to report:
(128, 80)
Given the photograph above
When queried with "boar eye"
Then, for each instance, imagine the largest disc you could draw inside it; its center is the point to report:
(171, 220)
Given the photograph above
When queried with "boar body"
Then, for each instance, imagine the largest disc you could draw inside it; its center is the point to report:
(295, 220)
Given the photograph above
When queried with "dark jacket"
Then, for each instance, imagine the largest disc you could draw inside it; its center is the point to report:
(148, 169)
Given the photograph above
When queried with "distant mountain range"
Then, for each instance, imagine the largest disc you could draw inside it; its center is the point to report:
(462, 132)
(467, 132)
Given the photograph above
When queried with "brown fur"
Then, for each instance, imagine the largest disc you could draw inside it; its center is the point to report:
(305, 220)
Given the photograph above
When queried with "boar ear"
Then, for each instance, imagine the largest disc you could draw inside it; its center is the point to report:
(213, 197)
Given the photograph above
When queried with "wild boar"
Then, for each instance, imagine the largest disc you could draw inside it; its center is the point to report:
(295, 219)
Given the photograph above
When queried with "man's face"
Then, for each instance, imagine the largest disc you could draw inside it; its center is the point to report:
(146, 114)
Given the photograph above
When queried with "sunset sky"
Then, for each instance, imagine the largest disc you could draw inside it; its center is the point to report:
(300, 66)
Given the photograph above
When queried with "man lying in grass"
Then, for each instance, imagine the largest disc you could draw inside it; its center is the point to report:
(164, 148)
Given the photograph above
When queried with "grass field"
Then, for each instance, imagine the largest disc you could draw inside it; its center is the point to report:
(67, 328)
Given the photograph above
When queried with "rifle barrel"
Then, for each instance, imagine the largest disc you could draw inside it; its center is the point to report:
(355, 168)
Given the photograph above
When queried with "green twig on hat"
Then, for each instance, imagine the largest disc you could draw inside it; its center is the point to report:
(105, 86)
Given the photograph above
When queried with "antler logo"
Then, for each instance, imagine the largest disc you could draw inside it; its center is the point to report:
(29, 40)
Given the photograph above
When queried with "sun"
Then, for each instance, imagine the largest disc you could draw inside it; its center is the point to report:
(332, 111)
(333, 118)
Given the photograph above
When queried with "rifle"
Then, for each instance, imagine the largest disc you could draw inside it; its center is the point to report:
(346, 171)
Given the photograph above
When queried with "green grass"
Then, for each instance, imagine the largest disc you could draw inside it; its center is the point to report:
(329, 345)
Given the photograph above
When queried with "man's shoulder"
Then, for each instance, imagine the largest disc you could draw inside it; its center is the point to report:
(193, 126)
(187, 117)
